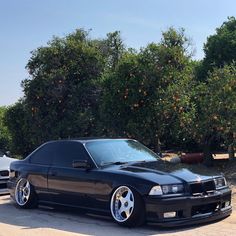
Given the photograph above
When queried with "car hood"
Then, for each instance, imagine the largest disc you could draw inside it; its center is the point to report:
(163, 172)
(5, 162)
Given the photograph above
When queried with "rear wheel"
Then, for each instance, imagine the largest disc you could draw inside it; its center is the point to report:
(127, 207)
(25, 195)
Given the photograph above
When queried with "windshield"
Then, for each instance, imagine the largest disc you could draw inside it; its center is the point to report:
(106, 152)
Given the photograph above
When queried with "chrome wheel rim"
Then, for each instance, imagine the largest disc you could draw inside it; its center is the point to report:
(122, 204)
(22, 192)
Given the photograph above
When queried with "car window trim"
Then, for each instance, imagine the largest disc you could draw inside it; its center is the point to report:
(29, 157)
(90, 156)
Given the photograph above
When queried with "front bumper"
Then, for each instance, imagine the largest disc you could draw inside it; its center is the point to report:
(189, 209)
(3, 186)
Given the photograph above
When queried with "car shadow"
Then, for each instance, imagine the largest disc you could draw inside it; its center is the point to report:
(74, 221)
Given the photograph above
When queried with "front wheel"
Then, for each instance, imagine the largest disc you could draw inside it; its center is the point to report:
(25, 195)
(127, 207)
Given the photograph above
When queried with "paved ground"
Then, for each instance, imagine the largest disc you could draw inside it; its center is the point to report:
(45, 222)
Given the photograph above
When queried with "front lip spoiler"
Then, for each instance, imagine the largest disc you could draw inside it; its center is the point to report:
(198, 219)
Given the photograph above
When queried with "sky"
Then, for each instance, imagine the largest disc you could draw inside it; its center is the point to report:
(28, 24)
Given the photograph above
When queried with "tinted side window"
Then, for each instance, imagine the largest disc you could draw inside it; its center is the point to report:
(44, 155)
(67, 152)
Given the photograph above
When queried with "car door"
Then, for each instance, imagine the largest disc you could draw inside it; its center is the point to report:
(39, 162)
(68, 185)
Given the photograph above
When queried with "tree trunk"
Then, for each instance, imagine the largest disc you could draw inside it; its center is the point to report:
(157, 146)
(231, 146)
(231, 152)
(208, 158)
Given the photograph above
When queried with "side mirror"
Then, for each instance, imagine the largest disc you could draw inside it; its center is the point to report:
(81, 164)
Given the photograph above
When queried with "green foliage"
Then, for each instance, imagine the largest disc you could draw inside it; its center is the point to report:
(62, 94)
(215, 98)
(216, 105)
(114, 49)
(220, 48)
(111, 50)
(139, 97)
(63, 91)
(18, 126)
(80, 86)
(5, 137)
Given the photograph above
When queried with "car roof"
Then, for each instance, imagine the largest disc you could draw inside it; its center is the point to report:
(86, 139)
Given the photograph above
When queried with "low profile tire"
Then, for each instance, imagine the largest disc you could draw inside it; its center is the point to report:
(25, 195)
(127, 207)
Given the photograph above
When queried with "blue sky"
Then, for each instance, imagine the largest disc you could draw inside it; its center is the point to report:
(27, 24)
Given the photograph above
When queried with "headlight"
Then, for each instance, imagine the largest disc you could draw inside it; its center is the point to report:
(220, 182)
(172, 189)
(167, 189)
(156, 190)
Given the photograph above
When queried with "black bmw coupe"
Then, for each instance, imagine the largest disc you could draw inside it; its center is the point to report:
(120, 177)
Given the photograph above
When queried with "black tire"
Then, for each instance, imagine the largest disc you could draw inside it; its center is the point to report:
(127, 207)
(25, 196)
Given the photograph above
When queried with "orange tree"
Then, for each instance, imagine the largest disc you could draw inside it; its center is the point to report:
(219, 49)
(148, 95)
(62, 94)
(216, 109)
(219, 52)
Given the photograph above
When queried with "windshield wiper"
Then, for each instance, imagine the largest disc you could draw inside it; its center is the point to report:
(114, 163)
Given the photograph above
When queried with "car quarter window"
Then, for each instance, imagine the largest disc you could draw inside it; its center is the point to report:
(43, 155)
(67, 152)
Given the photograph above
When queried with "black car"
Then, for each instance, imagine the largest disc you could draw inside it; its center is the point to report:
(120, 177)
